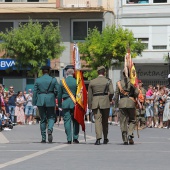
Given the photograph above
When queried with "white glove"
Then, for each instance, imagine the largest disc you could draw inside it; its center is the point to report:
(60, 109)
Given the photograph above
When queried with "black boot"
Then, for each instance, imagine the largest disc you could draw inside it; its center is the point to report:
(106, 141)
(124, 138)
(131, 142)
(50, 137)
(97, 142)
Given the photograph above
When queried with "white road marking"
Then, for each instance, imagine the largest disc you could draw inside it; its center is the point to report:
(3, 139)
(41, 152)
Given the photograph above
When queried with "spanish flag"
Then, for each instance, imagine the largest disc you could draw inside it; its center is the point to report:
(81, 94)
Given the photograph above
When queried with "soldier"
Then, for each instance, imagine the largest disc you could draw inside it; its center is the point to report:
(100, 93)
(45, 92)
(67, 106)
(140, 111)
(126, 105)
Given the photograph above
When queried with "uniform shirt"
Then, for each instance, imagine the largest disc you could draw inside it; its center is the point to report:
(97, 86)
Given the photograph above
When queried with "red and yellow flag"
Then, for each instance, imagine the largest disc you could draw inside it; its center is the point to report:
(129, 67)
(81, 94)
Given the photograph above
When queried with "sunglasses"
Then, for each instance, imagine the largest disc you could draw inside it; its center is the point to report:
(11, 88)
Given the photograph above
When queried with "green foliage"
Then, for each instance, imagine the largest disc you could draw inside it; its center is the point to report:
(32, 44)
(112, 44)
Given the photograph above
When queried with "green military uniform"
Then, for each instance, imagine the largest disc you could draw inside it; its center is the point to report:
(99, 103)
(68, 108)
(127, 108)
(45, 101)
(140, 113)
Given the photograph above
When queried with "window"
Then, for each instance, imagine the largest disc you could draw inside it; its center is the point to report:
(137, 1)
(159, 47)
(159, 1)
(6, 26)
(80, 28)
(144, 41)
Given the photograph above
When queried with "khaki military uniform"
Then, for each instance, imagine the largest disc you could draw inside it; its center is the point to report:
(126, 107)
(140, 113)
(99, 103)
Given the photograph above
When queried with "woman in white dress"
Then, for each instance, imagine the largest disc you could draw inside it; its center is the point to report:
(166, 113)
(19, 109)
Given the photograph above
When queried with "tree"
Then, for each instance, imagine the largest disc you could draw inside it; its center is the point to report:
(31, 45)
(108, 46)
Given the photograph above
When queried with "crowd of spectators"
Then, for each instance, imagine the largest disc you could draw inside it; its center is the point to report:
(158, 107)
(17, 107)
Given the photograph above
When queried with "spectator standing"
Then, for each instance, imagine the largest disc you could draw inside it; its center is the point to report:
(149, 106)
(28, 107)
(166, 113)
(111, 112)
(141, 106)
(155, 118)
(11, 102)
(59, 114)
(161, 104)
(19, 109)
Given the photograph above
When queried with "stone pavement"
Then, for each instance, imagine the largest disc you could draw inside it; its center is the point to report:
(20, 149)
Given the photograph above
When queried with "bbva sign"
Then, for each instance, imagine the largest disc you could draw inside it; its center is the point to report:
(6, 63)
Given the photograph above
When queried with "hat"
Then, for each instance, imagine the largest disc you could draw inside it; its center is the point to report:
(139, 81)
(100, 68)
(45, 68)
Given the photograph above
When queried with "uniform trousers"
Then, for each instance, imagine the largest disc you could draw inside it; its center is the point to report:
(127, 121)
(141, 116)
(47, 116)
(68, 118)
(101, 122)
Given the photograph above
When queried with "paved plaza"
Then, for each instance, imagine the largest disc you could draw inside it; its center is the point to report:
(20, 149)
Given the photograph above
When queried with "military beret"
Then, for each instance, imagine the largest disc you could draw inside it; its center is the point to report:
(100, 68)
(45, 68)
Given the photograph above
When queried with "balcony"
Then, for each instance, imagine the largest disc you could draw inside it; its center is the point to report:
(76, 4)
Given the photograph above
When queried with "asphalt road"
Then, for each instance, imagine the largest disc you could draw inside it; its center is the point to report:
(20, 149)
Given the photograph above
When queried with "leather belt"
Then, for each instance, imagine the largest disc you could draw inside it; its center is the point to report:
(100, 94)
(46, 92)
(64, 98)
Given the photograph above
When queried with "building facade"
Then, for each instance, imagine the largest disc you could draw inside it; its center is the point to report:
(150, 22)
(74, 17)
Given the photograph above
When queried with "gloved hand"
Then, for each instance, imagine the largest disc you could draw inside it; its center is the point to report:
(60, 109)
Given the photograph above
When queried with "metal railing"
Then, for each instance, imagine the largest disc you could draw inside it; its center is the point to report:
(107, 4)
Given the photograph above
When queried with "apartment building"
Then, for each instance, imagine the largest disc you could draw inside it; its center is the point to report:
(150, 22)
(74, 17)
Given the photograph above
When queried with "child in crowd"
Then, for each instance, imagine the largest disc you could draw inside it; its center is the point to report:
(150, 95)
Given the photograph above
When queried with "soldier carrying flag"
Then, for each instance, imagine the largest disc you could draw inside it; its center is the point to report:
(127, 91)
(73, 93)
